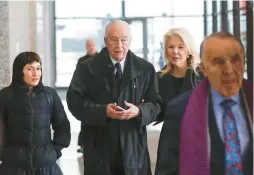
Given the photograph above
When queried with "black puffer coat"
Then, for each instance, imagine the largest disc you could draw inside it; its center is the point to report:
(27, 117)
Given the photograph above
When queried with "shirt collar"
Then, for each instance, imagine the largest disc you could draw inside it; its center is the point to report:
(217, 98)
(121, 62)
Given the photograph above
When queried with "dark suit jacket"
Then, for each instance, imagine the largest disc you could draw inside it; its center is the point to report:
(168, 150)
(88, 95)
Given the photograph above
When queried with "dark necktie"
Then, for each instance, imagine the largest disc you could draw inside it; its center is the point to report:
(118, 78)
(233, 160)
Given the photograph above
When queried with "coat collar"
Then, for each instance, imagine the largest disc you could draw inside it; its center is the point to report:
(101, 65)
(23, 89)
(188, 82)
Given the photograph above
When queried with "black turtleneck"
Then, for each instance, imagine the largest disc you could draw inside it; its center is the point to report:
(177, 83)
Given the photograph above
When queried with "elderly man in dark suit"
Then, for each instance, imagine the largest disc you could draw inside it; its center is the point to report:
(209, 131)
(115, 138)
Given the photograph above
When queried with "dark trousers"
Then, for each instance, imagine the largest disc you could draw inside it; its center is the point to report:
(117, 166)
(81, 136)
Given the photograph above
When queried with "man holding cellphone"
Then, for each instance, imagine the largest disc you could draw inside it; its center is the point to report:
(119, 108)
(115, 138)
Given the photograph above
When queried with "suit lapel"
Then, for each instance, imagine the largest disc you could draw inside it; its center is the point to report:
(217, 145)
(101, 67)
(247, 100)
(132, 69)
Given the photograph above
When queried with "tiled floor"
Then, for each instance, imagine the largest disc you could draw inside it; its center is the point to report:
(71, 161)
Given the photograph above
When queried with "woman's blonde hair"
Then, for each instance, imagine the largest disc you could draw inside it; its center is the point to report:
(193, 59)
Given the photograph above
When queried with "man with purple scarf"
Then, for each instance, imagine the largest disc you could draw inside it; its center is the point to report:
(209, 130)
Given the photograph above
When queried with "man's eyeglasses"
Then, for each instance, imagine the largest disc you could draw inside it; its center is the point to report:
(115, 40)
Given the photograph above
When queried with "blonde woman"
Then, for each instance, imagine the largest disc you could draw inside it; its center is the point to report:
(181, 72)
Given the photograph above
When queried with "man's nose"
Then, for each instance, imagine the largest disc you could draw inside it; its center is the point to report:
(228, 67)
(119, 43)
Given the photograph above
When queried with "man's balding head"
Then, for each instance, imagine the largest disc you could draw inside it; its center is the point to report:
(117, 24)
(117, 39)
(220, 35)
(90, 47)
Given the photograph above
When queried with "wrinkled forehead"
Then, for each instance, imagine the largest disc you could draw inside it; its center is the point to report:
(118, 30)
(222, 47)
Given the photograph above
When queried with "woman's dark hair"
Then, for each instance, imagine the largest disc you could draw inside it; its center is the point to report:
(19, 63)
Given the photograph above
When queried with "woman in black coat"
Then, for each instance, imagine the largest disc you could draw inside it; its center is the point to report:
(181, 72)
(27, 110)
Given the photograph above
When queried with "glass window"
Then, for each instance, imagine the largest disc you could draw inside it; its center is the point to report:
(243, 26)
(137, 38)
(81, 8)
(230, 22)
(194, 24)
(70, 44)
(157, 27)
(134, 8)
(218, 6)
(230, 5)
(158, 8)
(219, 22)
(242, 4)
(187, 7)
(209, 25)
(209, 7)
(39, 28)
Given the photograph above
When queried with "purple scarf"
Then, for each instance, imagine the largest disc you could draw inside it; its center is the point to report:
(194, 148)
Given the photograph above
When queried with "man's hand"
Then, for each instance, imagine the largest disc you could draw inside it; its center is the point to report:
(131, 112)
(112, 112)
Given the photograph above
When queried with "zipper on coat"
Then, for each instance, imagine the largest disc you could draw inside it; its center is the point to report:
(31, 98)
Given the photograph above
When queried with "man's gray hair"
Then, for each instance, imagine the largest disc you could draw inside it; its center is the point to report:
(120, 22)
